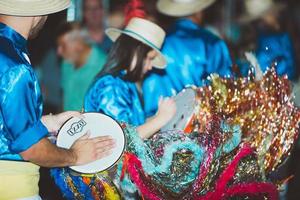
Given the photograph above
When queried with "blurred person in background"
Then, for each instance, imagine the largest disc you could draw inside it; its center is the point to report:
(82, 62)
(192, 53)
(94, 21)
(273, 43)
(116, 14)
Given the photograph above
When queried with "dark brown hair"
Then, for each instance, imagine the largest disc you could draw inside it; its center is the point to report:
(121, 55)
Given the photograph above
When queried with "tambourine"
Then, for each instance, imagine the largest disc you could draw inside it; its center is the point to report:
(185, 107)
(99, 125)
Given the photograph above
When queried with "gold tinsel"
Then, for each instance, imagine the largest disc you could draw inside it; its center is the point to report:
(263, 108)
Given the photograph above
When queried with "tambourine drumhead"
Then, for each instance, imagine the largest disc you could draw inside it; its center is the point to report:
(185, 107)
(98, 125)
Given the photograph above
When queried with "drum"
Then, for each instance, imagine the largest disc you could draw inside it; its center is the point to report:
(89, 181)
(185, 104)
(99, 125)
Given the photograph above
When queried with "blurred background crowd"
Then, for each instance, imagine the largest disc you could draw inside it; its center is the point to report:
(72, 48)
(54, 50)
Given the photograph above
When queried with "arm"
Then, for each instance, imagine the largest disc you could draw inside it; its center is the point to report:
(20, 111)
(54, 156)
(153, 90)
(167, 109)
(152, 126)
(83, 151)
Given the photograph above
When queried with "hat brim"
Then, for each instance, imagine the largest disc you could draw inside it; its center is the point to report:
(32, 8)
(175, 9)
(246, 18)
(158, 62)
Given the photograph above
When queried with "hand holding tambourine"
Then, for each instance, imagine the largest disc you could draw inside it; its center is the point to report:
(89, 149)
(92, 125)
(185, 107)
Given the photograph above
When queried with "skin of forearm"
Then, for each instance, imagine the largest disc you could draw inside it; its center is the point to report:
(46, 154)
(150, 127)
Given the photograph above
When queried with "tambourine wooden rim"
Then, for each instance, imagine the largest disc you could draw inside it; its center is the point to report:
(111, 165)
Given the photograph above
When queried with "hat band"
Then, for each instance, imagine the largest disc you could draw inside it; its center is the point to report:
(143, 38)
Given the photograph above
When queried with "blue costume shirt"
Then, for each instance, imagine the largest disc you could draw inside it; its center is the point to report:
(192, 54)
(276, 48)
(20, 98)
(117, 98)
(273, 48)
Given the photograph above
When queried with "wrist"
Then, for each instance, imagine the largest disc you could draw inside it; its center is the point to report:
(73, 157)
(161, 120)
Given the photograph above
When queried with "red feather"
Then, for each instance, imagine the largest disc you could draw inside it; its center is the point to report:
(134, 8)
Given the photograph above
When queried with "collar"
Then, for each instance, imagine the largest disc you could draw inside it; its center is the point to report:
(18, 40)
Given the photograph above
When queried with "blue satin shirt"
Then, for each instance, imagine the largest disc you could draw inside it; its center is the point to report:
(192, 54)
(117, 98)
(20, 97)
(278, 49)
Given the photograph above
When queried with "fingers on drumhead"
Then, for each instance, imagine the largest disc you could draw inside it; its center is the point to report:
(103, 144)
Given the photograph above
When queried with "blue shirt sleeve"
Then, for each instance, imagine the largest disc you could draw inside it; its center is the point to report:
(19, 107)
(108, 97)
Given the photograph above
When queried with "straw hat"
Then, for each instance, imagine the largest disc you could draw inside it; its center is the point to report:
(181, 8)
(146, 32)
(254, 9)
(32, 7)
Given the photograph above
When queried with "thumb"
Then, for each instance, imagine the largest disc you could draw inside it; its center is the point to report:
(70, 114)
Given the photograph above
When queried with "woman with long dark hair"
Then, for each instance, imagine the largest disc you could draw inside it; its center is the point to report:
(116, 90)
